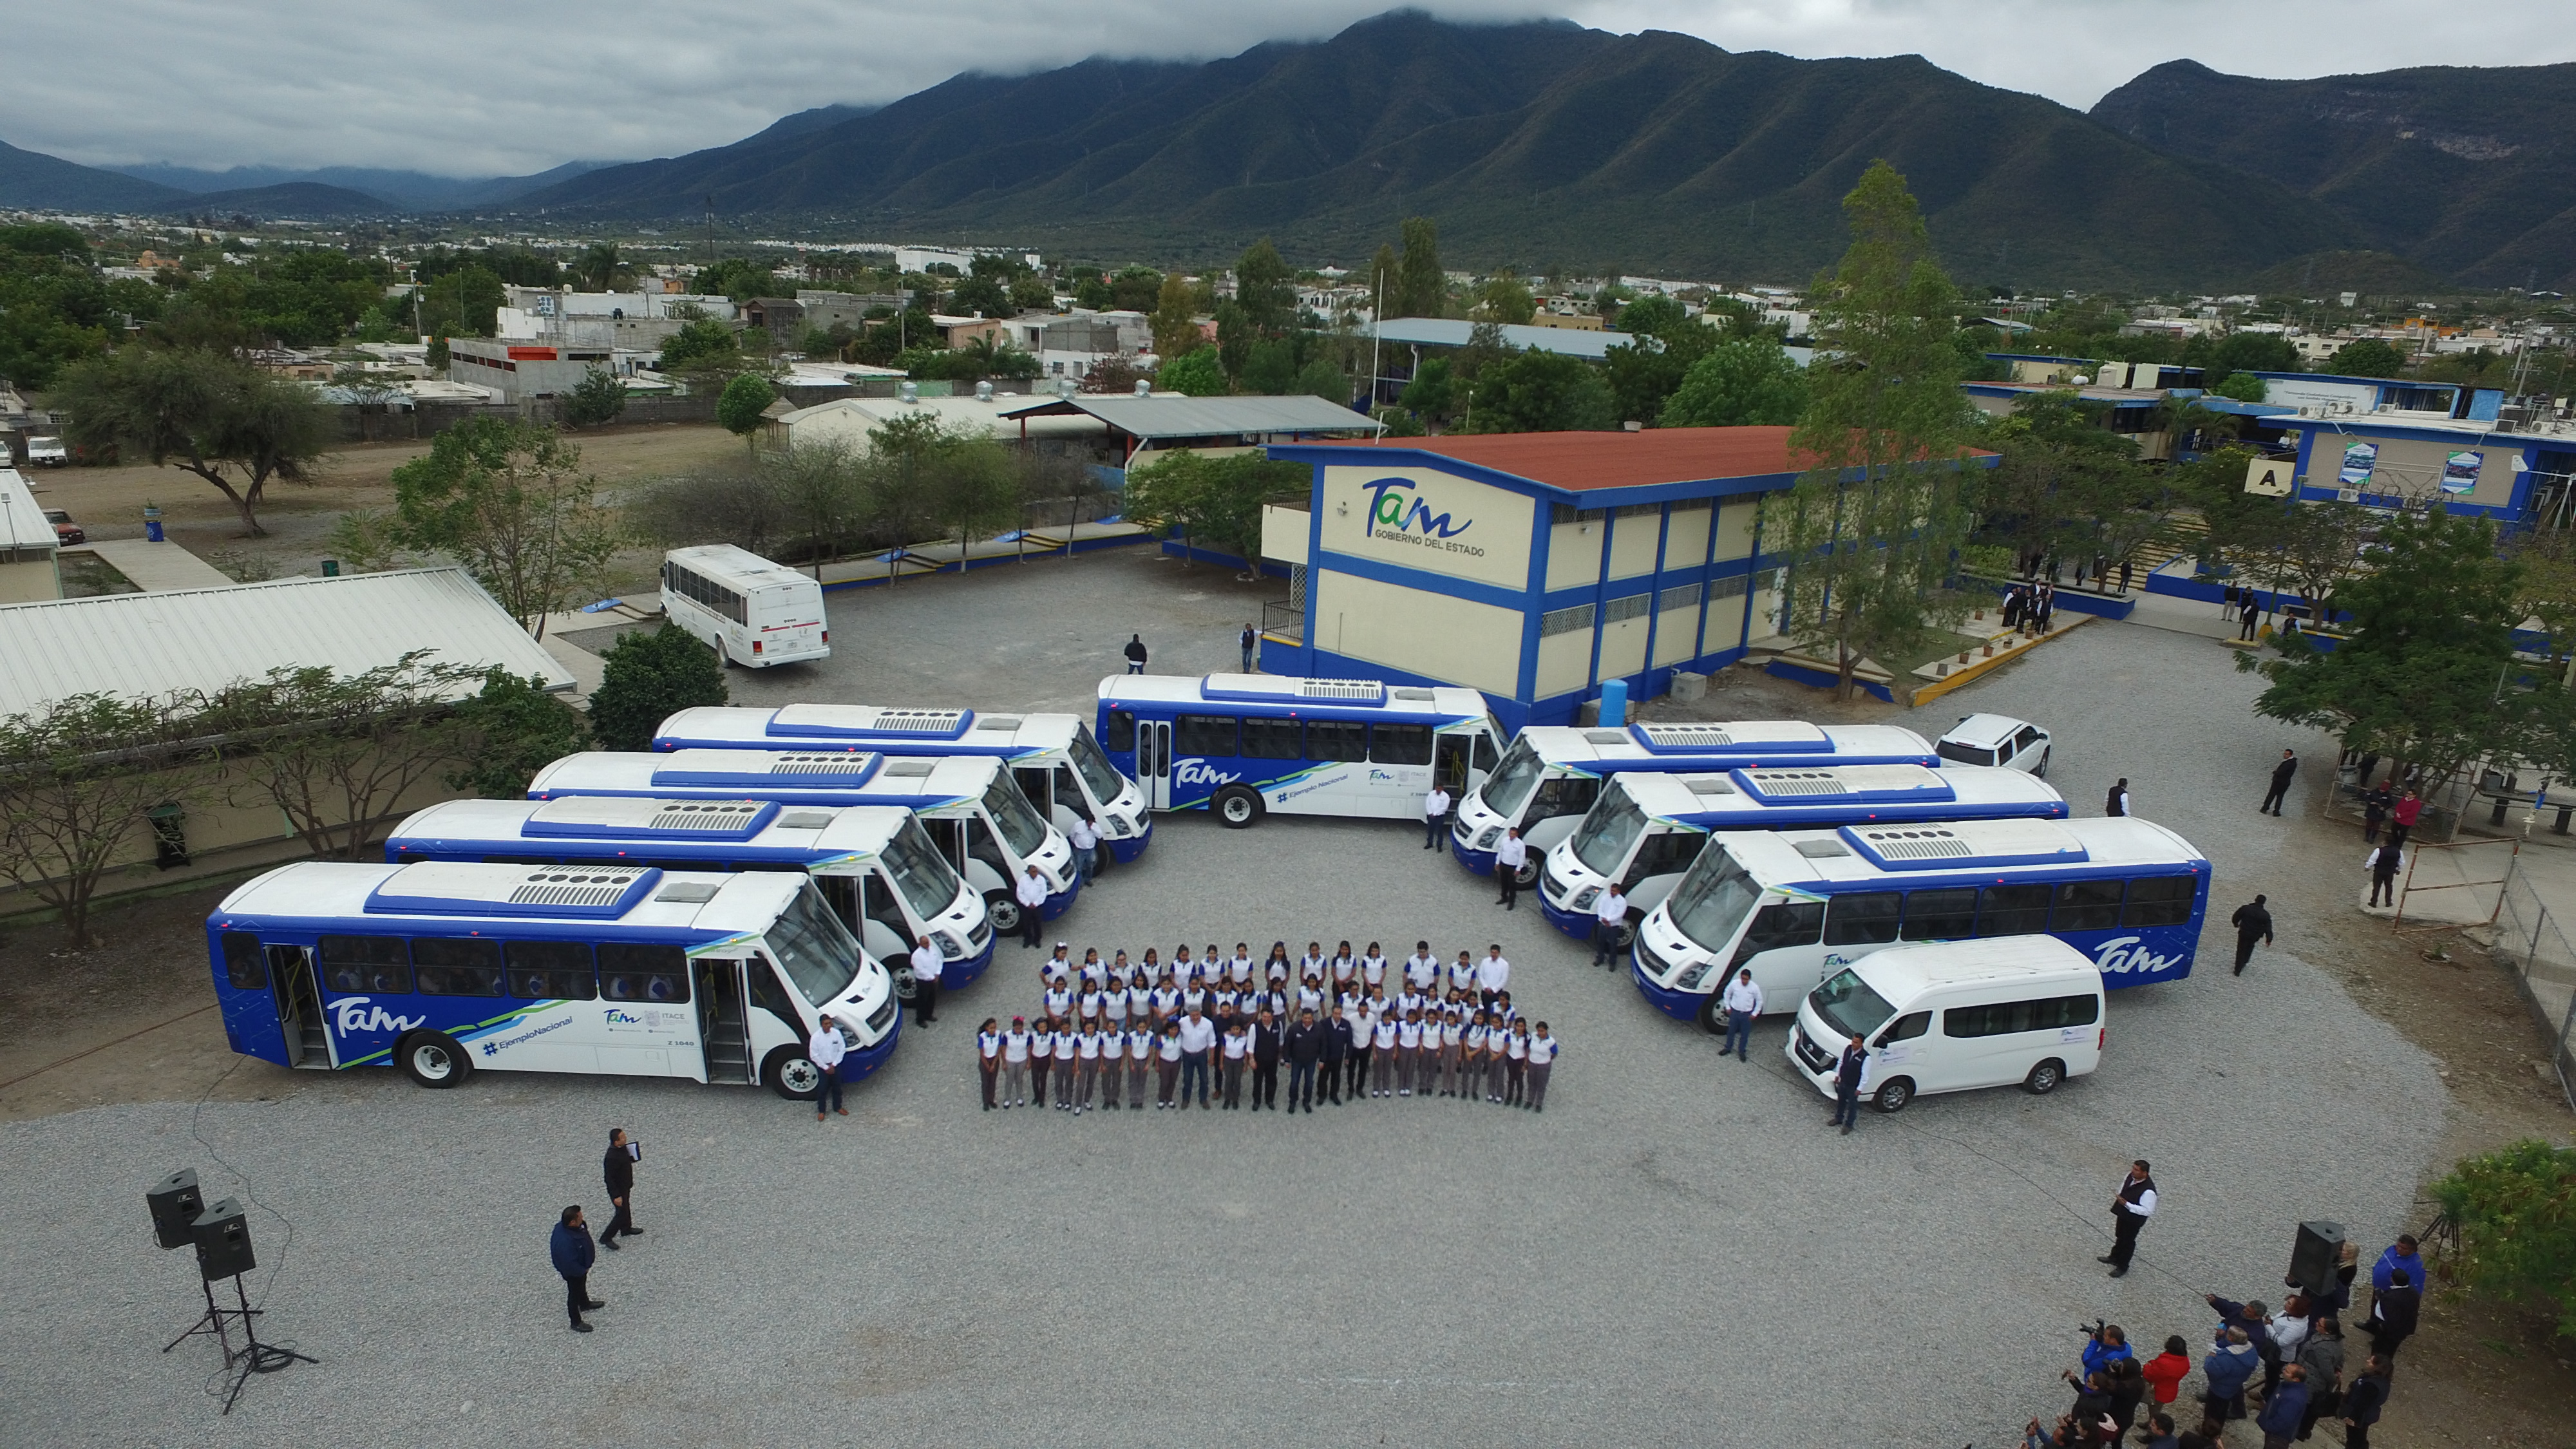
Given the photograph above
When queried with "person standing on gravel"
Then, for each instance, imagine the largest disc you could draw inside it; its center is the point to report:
(1509, 857)
(1135, 652)
(2131, 1206)
(2253, 923)
(2385, 862)
(2374, 812)
(2403, 815)
(1435, 819)
(2117, 802)
(2282, 774)
(1849, 1073)
(617, 1169)
(1246, 640)
(572, 1254)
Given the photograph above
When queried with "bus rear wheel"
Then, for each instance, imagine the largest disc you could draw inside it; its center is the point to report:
(1003, 912)
(432, 1058)
(2045, 1078)
(1237, 806)
(791, 1074)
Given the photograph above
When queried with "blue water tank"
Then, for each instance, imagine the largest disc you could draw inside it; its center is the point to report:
(1614, 702)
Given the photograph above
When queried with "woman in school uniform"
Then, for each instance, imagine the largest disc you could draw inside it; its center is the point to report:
(1382, 1036)
(1373, 967)
(1462, 975)
(1056, 1000)
(1122, 974)
(1015, 1064)
(1408, 1052)
(988, 1058)
(1067, 1043)
(1311, 966)
(1150, 970)
(1168, 1062)
(1277, 969)
(1194, 997)
(1310, 995)
(1087, 1006)
(1087, 1067)
(1233, 1043)
(1453, 1046)
(1042, 1056)
(1345, 967)
(1238, 967)
(1420, 968)
(1094, 975)
(1140, 1061)
(1471, 1058)
(1184, 970)
(1543, 1050)
(1515, 1062)
(1113, 1059)
(1113, 1008)
(1167, 1000)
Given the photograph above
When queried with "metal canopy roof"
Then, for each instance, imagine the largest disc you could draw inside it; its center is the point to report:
(156, 644)
(1171, 415)
(1452, 332)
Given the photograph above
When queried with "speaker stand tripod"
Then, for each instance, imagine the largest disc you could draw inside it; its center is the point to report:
(253, 1357)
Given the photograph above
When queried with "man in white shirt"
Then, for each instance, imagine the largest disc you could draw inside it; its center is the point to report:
(1086, 848)
(825, 1049)
(1492, 975)
(1609, 922)
(1541, 1051)
(1435, 819)
(1509, 857)
(1031, 892)
(1198, 1037)
(925, 981)
(1743, 1002)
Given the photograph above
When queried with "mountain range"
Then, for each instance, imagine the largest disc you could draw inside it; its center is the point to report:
(1548, 144)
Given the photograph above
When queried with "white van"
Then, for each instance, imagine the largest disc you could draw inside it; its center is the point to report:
(750, 611)
(1955, 1015)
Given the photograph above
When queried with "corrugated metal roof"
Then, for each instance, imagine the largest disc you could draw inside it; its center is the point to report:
(1446, 332)
(193, 639)
(22, 518)
(1171, 415)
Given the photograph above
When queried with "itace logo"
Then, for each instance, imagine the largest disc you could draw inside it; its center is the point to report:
(1399, 516)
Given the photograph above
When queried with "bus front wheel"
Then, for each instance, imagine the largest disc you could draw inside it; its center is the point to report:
(2045, 1078)
(1003, 912)
(432, 1058)
(791, 1074)
(1894, 1094)
(1237, 806)
(904, 985)
(1712, 1015)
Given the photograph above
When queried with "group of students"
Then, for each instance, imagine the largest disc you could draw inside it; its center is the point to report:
(1194, 1029)
(2298, 1353)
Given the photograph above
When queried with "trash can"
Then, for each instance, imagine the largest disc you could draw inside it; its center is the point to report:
(152, 523)
(1614, 702)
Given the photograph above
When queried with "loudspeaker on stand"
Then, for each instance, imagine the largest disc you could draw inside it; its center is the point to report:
(223, 1242)
(175, 1203)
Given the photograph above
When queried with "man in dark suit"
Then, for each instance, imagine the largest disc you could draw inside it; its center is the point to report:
(617, 1169)
(570, 1249)
(1305, 1047)
(2392, 1316)
(1265, 1062)
(2282, 774)
(2253, 923)
(1848, 1072)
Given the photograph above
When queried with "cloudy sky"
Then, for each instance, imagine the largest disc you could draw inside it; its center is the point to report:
(497, 87)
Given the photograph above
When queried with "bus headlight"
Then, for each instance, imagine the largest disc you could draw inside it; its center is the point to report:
(1486, 840)
(1693, 975)
(949, 947)
(1583, 901)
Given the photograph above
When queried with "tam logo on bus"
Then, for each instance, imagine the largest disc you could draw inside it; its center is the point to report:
(355, 1014)
(1199, 772)
(2129, 954)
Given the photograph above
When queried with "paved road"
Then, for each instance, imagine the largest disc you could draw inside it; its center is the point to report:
(1678, 1251)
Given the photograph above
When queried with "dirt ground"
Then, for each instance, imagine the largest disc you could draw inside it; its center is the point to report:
(108, 502)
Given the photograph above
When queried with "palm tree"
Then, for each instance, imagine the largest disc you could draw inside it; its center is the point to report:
(599, 268)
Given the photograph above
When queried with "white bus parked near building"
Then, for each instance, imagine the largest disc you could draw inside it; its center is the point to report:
(750, 611)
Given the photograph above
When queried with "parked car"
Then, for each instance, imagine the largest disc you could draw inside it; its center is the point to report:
(65, 531)
(1998, 740)
(47, 452)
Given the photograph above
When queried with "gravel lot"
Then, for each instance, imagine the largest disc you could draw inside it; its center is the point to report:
(1678, 1252)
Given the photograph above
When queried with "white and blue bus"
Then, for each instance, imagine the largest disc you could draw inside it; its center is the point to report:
(1058, 763)
(874, 863)
(1243, 745)
(968, 805)
(1552, 773)
(443, 969)
(1798, 905)
(1647, 828)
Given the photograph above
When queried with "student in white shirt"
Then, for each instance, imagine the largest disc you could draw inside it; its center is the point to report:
(1542, 1050)
(1277, 968)
(1113, 1007)
(1152, 969)
(1234, 1043)
(1121, 974)
(1408, 1052)
(1382, 1034)
(1609, 922)
(1345, 969)
(1087, 1006)
(1167, 1000)
(1743, 1002)
(1015, 1064)
(1421, 968)
(1168, 1056)
(988, 1058)
(1093, 973)
(1238, 969)
(1067, 1046)
(1042, 1057)
(1184, 970)
(1310, 967)
(1310, 996)
(1058, 967)
(1087, 1068)
(1453, 1050)
(1373, 967)
(1471, 1059)
(1140, 1062)
(1462, 976)
(1056, 1000)
(1515, 1062)
(1113, 1062)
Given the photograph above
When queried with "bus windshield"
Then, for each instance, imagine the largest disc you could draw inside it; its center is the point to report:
(1609, 832)
(1099, 777)
(1713, 899)
(919, 871)
(820, 954)
(1013, 816)
(1508, 788)
(1849, 1006)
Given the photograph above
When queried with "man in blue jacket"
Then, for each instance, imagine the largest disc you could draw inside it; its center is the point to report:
(2282, 1412)
(2401, 1255)
(2226, 1370)
(573, 1255)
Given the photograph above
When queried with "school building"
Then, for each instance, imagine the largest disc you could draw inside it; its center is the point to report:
(1531, 566)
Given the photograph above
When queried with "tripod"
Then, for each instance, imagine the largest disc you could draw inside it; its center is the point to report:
(253, 1357)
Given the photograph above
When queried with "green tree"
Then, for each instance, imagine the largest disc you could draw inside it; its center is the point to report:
(899, 477)
(1506, 299)
(508, 500)
(1032, 294)
(2250, 352)
(1320, 378)
(1872, 529)
(463, 303)
(601, 269)
(2420, 676)
(1541, 392)
(1174, 320)
(1422, 288)
(1741, 382)
(513, 728)
(79, 780)
(2366, 357)
(1269, 367)
(974, 491)
(1665, 342)
(2242, 387)
(1213, 501)
(2516, 1212)
(1135, 289)
(208, 413)
(598, 398)
(740, 407)
(1385, 281)
(1433, 392)
(1195, 373)
(981, 297)
(338, 753)
(704, 347)
(645, 678)
(1265, 288)
(821, 485)
(739, 278)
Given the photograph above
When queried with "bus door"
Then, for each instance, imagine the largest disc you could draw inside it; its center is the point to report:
(884, 929)
(723, 1031)
(1154, 762)
(1452, 764)
(288, 973)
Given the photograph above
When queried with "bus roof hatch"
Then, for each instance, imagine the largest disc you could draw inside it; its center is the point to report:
(456, 888)
(1764, 736)
(1967, 843)
(633, 817)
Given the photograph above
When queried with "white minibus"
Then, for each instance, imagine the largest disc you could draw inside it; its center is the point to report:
(750, 611)
(1960, 1014)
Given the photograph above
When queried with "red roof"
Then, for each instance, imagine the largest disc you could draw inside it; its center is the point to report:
(1582, 462)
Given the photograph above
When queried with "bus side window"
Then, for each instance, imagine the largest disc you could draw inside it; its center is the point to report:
(2086, 905)
(447, 966)
(2162, 900)
(1486, 758)
(1909, 1026)
(1335, 739)
(655, 975)
(1035, 783)
(1945, 915)
(2012, 910)
(1203, 734)
(1068, 793)
(841, 893)
(882, 907)
(1780, 924)
(1864, 919)
(981, 845)
(1400, 744)
(550, 971)
(1564, 795)
(943, 833)
(245, 965)
(1272, 739)
(366, 963)
(1674, 850)
(769, 994)
(1122, 731)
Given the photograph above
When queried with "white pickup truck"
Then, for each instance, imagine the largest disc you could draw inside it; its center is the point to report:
(47, 452)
